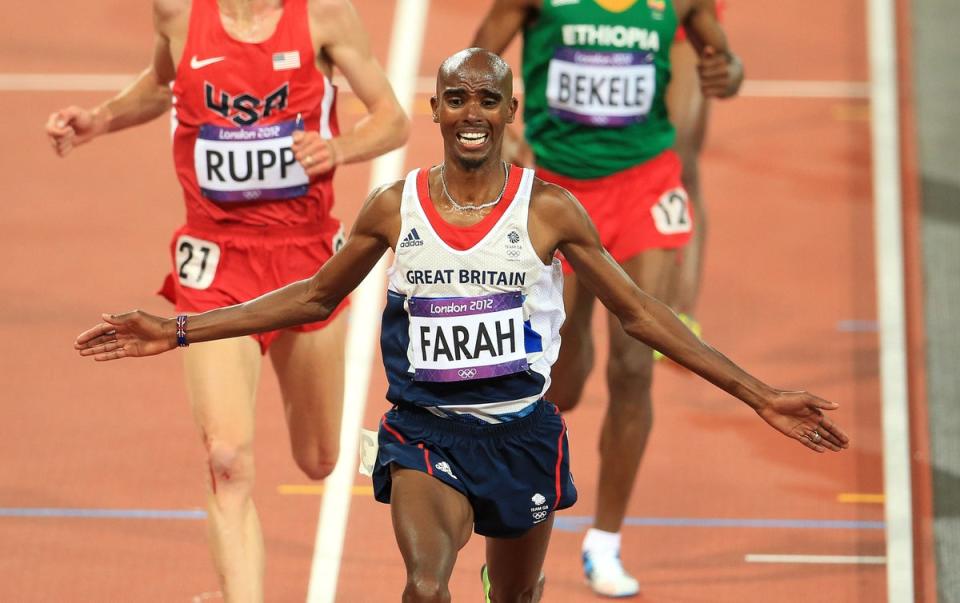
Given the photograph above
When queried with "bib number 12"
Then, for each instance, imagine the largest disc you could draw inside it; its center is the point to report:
(671, 214)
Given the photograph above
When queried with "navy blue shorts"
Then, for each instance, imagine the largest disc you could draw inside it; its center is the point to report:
(513, 474)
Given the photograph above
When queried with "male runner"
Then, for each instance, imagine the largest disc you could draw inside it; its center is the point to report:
(469, 334)
(689, 112)
(594, 74)
(255, 146)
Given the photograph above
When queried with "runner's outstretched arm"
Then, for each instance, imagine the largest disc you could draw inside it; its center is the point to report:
(138, 333)
(798, 415)
(146, 98)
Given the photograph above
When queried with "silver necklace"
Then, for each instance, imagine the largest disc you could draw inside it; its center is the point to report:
(457, 206)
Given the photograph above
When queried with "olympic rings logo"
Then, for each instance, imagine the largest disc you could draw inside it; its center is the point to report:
(539, 515)
(468, 373)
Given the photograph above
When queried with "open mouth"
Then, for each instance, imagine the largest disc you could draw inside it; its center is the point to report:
(472, 139)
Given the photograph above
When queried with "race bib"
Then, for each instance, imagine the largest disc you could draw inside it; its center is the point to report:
(369, 445)
(671, 213)
(464, 338)
(338, 240)
(252, 163)
(196, 261)
(598, 88)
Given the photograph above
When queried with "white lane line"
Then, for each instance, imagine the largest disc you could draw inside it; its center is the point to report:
(404, 61)
(805, 89)
(888, 243)
(52, 82)
(825, 559)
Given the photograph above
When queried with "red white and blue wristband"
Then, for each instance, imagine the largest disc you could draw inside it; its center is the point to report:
(182, 331)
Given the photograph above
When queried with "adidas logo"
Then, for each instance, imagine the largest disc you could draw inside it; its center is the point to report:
(412, 239)
(445, 467)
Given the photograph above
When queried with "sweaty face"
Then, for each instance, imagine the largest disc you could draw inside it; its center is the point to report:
(472, 106)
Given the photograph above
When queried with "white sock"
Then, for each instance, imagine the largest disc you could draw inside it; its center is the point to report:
(600, 542)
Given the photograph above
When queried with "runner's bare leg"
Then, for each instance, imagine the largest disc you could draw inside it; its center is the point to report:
(222, 379)
(310, 369)
(629, 416)
(688, 111)
(515, 565)
(432, 522)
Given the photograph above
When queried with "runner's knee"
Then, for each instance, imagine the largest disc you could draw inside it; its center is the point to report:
(314, 463)
(428, 560)
(425, 588)
(633, 370)
(231, 466)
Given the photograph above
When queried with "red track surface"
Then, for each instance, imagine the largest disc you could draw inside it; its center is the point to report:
(790, 256)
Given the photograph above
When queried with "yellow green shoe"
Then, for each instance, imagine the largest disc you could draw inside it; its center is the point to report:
(691, 323)
(485, 581)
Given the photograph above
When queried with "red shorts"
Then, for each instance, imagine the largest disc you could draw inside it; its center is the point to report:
(216, 266)
(643, 207)
(681, 35)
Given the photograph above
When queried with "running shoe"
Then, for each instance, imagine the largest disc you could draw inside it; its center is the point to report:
(606, 576)
(485, 581)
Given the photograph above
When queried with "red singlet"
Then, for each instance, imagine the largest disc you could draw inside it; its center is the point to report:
(255, 221)
(235, 106)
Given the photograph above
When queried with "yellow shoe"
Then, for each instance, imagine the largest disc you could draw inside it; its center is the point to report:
(485, 581)
(691, 323)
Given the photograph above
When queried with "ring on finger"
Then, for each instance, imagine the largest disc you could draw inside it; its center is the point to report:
(815, 436)
(308, 160)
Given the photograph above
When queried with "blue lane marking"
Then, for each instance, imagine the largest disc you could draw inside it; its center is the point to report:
(578, 523)
(104, 513)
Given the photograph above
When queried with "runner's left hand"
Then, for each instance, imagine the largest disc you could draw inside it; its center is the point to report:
(799, 415)
(720, 73)
(317, 155)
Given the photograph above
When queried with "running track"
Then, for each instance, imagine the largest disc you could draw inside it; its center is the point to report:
(789, 293)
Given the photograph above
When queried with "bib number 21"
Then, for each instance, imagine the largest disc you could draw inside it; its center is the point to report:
(196, 261)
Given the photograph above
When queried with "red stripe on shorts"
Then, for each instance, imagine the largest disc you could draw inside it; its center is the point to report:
(563, 432)
(426, 459)
(393, 432)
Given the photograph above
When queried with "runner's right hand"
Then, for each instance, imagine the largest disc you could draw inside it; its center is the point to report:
(70, 127)
(127, 335)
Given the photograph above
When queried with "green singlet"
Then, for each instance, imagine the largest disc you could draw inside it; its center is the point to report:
(595, 73)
